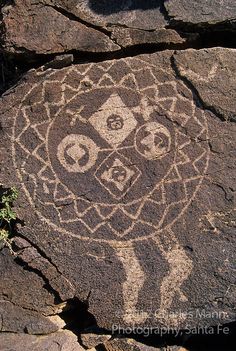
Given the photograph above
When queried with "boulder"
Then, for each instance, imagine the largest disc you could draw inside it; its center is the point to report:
(127, 183)
(33, 27)
(24, 289)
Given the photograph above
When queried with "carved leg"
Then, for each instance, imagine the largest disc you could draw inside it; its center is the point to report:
(180, 268)
(133, 284)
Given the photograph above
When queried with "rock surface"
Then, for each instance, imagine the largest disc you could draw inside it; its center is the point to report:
(91, 340)
(32, 27)
(16, 319)
(134, 14)
(39, 27)
(214, 82)
(201, 11)
(125, 344)
(62, 340)
(118, 164)
(34, 295)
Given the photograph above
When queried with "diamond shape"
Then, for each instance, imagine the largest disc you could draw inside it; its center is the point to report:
(114, 121)
(117, 175)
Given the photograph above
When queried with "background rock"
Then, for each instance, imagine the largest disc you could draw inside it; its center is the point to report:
(126, 344)
(91, 340)
(31, 27)
(62, 340)
(134, 14)
(212, 74)
(23, 288)
(199, 12)
(16, 319)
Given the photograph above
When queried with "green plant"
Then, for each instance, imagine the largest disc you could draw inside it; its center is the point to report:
(7, 215)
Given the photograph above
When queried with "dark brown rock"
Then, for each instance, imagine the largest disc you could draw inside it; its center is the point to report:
(134, 14)
(126, 37)
(32, 27)
(62, 340)
(23, 288)
(126, 344)
(212, 73)
(35, 261)
(201, 11)
(16, 319)
(91, 340)
(127, 187)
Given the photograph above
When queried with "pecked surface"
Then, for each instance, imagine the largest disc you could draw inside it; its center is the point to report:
(127, 181)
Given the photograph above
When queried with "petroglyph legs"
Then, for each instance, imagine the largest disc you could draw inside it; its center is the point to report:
(180, 266)
(135, 278)
(119, 154)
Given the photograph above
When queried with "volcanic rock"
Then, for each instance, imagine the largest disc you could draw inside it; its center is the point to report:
(127, 185)
(62, 340)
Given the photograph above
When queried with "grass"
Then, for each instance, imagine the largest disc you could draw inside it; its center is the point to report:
(7, 216)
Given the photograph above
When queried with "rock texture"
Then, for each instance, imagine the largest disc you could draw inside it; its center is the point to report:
(42, 27)
(134, 14)
(214, 82)
(127, 186)
(34, 294)
(62, 340)
(125, 344)
(32, 27)
(200, 12)
(16, 319)
(91, 340)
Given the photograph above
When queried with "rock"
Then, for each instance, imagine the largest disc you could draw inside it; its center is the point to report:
(31, 27)
(200, 12)
(60, 61)
(134, 14)
(126, 344)
(16, 319)
(127, 188)
(23, 288)
(62, 340)
(212, 73)
(126, 37)
(91, 340)
(33, 258)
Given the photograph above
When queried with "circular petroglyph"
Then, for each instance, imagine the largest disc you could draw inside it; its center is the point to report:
(111, 162)
(110, 157)
(77, 153)
(153, 140)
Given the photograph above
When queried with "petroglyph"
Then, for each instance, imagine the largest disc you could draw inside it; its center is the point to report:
(135, 279)
(118, 150)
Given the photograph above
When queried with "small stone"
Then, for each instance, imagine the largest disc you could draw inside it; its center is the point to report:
(60, 61)
(90, 340)
(126, 37)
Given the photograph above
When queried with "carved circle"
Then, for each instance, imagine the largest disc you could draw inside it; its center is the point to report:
(124, 166)
(77, 153)
(153, 140)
